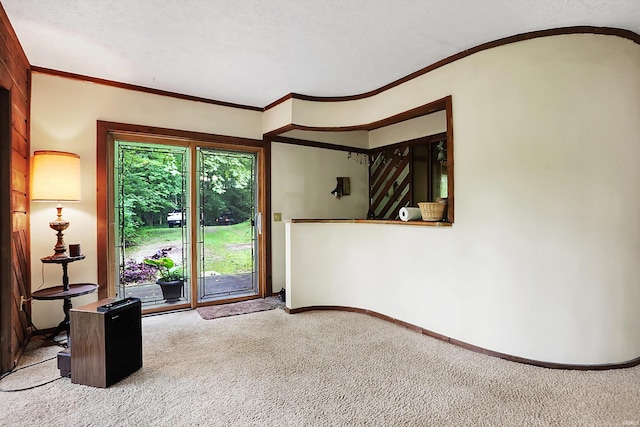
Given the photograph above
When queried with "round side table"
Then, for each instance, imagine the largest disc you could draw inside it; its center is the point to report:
(64, 292)
(59, 292)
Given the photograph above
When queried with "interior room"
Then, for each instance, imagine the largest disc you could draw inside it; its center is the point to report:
(342, 129)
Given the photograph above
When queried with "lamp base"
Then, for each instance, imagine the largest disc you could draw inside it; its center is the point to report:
(60, 250)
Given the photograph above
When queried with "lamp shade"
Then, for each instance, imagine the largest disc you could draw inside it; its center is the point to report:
(55, 176)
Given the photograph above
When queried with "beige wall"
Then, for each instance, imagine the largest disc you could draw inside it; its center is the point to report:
(301, 182)
(409, 129)
(63, 117)
(278, 116)
(542, 261)
(356, 138)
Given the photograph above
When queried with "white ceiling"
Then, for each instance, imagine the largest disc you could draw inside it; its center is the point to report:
(253, 52)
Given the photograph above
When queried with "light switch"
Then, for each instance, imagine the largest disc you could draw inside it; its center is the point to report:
(277, 216)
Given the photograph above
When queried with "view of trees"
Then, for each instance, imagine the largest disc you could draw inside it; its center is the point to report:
(152, 184)
(226, 180)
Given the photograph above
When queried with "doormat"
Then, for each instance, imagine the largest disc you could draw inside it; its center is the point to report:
(236, 308)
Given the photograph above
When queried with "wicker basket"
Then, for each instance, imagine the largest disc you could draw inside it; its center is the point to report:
(432, 211)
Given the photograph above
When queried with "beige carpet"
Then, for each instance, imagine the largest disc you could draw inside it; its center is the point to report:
(318, 368)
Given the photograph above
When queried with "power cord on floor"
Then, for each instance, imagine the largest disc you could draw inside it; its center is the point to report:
(62, 344)
(13, 371)
(51, 338)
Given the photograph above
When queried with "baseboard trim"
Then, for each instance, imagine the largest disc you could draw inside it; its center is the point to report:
(549, 365)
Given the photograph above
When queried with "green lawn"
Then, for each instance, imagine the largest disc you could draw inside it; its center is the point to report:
(227, 249)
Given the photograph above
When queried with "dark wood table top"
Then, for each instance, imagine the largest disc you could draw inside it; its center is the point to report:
(65, 260)
(58, 292)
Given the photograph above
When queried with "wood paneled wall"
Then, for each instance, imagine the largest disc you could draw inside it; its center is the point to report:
(15, 272)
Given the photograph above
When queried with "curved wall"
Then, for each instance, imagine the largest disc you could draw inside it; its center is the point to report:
(542, 262)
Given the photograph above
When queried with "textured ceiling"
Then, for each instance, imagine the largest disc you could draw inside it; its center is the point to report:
(253, 52)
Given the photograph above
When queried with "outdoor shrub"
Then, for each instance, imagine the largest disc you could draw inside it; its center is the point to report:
(137, 272)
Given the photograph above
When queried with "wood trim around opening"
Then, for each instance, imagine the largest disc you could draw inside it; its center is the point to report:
(445, 104)
(421, 110)
(477, 349)
(316, 144)
(104, 166)
(106, 133)
(451, 200)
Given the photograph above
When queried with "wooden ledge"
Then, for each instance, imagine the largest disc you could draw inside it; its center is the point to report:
(550, 365)
(372, 221)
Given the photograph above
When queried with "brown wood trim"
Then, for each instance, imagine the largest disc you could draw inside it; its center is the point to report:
(280, 130)
(372, 221)
(317, 144)
(450, 161)
(15, 269)
(106, 82)
(267, 214)
(103, 162)
(421, 110)
(187, 136)
(264, 242)
(278, 101)
(542, 364)
(7, 361)
(627, 34)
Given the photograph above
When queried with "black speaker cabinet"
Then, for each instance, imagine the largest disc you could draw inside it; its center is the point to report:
(106, 341)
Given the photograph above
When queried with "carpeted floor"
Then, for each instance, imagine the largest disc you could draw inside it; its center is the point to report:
(236, 308)
(322, 368)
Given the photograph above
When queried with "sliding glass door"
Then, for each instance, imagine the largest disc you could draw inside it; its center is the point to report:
(182, 212)
(227, 239)
(151, 211)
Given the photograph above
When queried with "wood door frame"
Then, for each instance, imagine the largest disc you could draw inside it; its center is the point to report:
(15, 270)
(6, 353)
(108, 132)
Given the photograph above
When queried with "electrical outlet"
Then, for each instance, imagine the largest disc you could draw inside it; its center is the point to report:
(277, 216)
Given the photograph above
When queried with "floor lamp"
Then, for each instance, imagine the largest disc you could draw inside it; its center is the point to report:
(55, 177)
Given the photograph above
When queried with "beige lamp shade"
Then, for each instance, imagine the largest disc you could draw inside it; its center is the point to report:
(55, 176)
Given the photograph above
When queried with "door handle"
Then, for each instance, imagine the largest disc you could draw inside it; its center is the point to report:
(259, 222)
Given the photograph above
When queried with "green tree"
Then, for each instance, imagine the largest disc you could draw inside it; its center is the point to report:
(152, 185)
(226, 180)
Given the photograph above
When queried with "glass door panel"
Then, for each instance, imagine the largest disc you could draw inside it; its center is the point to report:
(227, 233)
(151, 223)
